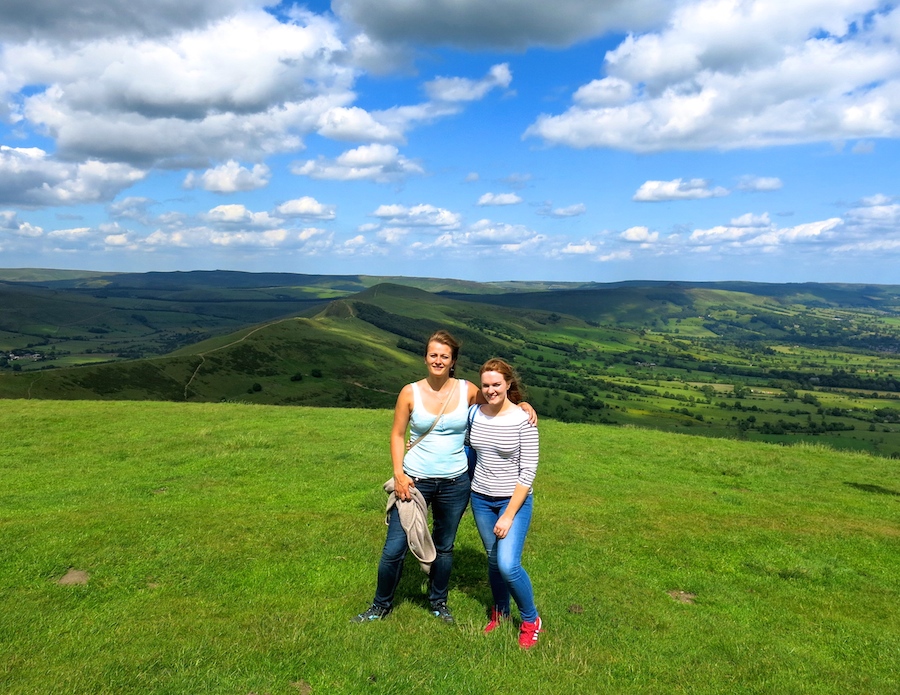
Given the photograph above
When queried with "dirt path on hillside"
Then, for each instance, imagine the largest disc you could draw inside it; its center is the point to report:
(203, 355)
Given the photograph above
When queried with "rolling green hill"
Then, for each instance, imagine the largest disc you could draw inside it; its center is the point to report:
(83, 321)
(81, 317)
(655, 304)
(775, 363)
(356, 352)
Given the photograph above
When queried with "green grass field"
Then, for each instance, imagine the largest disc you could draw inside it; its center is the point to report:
(225, 547)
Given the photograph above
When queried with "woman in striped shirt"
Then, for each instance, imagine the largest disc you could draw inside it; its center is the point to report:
(507, 447)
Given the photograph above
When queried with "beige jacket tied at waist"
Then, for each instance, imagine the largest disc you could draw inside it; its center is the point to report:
(413, 515)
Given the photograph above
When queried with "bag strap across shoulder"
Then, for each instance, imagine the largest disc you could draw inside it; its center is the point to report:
(469, 420)
(433, 424)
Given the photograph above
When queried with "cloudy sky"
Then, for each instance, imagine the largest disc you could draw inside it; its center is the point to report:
(480, 139)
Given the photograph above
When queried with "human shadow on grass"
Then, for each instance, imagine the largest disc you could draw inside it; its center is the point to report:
(469, 576)
(877, 489)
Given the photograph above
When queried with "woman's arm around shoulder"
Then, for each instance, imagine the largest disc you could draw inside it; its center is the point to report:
(530, 412)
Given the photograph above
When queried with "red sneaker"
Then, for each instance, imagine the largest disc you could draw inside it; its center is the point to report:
(494, 622)
(528, 633)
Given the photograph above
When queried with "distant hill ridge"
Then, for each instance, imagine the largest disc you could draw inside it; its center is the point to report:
(852, 294)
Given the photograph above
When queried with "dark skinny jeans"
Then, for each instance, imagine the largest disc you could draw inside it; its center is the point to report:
(447, 498)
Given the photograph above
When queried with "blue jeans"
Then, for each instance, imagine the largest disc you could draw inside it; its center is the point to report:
(447, 498)
(506, 575)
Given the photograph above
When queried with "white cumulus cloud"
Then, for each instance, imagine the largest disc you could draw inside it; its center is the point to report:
(307, 241)
(306, 207)
(454, 89)
(725, 74)
(417, 216)
(10, 223)
(73, 234)
(678, 189)
(609, 91)
(355, 124)
(230, 177)
(241, 86)
(754, 231)
(801, 233)
(378, 162)
(32, 178)
(499, 199)
(510, 238)
(392, 235)
(751, 220)
(239, 216)
(720, 233)
(640, 235)
(582, 249)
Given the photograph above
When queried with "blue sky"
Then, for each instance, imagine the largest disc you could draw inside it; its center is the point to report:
(579, 140)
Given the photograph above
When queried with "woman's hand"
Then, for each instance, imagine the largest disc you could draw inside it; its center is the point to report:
(402, 485)
(530, 412)
(501, 528)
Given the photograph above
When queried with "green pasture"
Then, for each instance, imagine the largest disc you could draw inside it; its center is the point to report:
(677, 406)
(222, 548)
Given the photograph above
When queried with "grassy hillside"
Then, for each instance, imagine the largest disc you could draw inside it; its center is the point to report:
(222, 548)
(70, 318)
(72, 327)
(354, 353)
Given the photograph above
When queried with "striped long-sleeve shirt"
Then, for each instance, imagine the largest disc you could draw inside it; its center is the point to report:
(507, 447)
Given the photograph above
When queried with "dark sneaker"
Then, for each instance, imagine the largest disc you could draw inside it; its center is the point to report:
(494, 622)
(528, 633)
(440, 610)
(372, 613)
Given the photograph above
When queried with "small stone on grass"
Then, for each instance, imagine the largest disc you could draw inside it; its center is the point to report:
(682, 596)
(74, 577)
